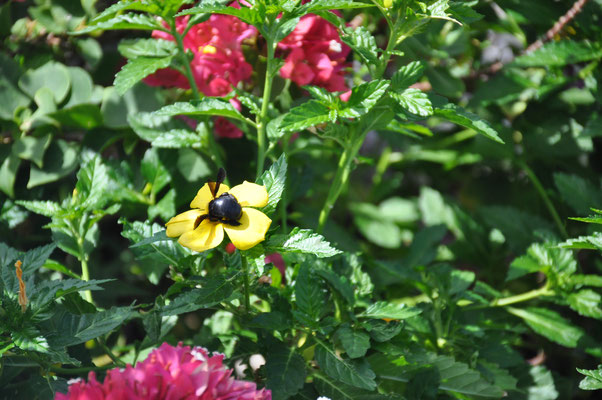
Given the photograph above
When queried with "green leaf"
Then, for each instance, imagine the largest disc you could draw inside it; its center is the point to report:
(207, 106)
(414, 101)
(302, 241)
(460, 116)
(545, 258)
(8, 174)
(274, 180)
(407, 75)
(340, 283)
(363, 98)
(153, 171)
(60, 159)
(82, 87)
(550, 325)
(285, 371)
(137, 69)
(126, 5)
(69, 329)
(147, 48)
(309, 295)
(249, 15)
(212, 291)
(586, 302)
(543, 387)
(454, 376)
(383, 309)
(92, 182)
(304, 116)
(164, 131)
(12, 98)
(160, 248)
(124, 21)
(586, 280)
(52, 75)
(354, 374)
(355, 342)
(578, 192)
(165, 208)
(592, 380)
(32, 148)
(363, 43)
(46, 291)
(560, 53)
(45, 208)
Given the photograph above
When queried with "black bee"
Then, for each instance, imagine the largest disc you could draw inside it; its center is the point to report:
(225, 208)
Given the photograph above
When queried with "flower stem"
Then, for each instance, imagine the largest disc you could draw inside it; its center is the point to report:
(184, 60)
(86, 277)
(107, 350)
(262, 118)
(245, 282)
(543, 291)
(544, 196)
(340, 179)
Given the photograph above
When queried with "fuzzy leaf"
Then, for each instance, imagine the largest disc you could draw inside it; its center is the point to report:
(274, 181)
(363, 98)
(304, 116)
(302, 241)
(354, 374)
(414, 101)
(550, 325)
(124, 21)
(460, 116)
(137, 69)
(383, 309)
(207, 106)
(560, 53)
(355, 342)
(407, 75)
(285, 370)
(592, 380)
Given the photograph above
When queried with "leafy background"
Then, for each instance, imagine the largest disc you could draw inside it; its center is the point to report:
(458, 260)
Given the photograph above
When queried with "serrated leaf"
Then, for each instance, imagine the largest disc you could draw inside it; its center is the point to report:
(578, 192)
(354, 374)
(137, 69)
(124, 21)
(407, 75)
(340, 283)
(274, 180)
(92, 181)
(592, 380)
(208, 106)
(158, 248)
(153, 171)
(386, 310)
(147, 48)
(249, 15)
(355, 342)
(45, 208)
(212, 291)
(586, 280)
(586, 302)
(308, 294)
(559, 53)
(308, 114)
(69, 329)
(302, 241)
(363, 98)
(550, 325)
(363, 43)
(163, 131)
(454, 376)
(414, 101)
(460, 116)
(126, 5)
(46, 291)
(285, 371)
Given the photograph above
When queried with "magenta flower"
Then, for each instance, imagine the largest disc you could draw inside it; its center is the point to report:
(316, 55)
(168, 373)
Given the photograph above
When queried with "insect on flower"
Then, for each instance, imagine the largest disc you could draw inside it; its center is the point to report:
(217, 208)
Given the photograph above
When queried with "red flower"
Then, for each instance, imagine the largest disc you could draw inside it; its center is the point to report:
(317, 55)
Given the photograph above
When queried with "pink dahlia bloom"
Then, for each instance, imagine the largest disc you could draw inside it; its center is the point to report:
(316, 55)
(169, 373)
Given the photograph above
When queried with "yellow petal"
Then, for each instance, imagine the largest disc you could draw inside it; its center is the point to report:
(253, 226)
(204, 196)
(250, 194)
(207, 236)
(182, 223)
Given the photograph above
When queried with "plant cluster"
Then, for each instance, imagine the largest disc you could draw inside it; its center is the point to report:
(404, 214)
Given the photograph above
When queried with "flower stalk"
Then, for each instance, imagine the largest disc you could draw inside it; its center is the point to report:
(262, 118)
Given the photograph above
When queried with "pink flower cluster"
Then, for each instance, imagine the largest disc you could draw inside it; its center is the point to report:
(218, 64)
(168, 373)
(316, 55)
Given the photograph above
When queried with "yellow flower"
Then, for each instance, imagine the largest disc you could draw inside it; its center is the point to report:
(217, 208)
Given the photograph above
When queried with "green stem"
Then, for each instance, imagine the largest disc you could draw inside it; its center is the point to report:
(340, 179)
(86, 277)
(185, 61)
(544, 196)
(79, 371)
(245, 282)
(543, 291)
(107, 350)
(262, 118)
